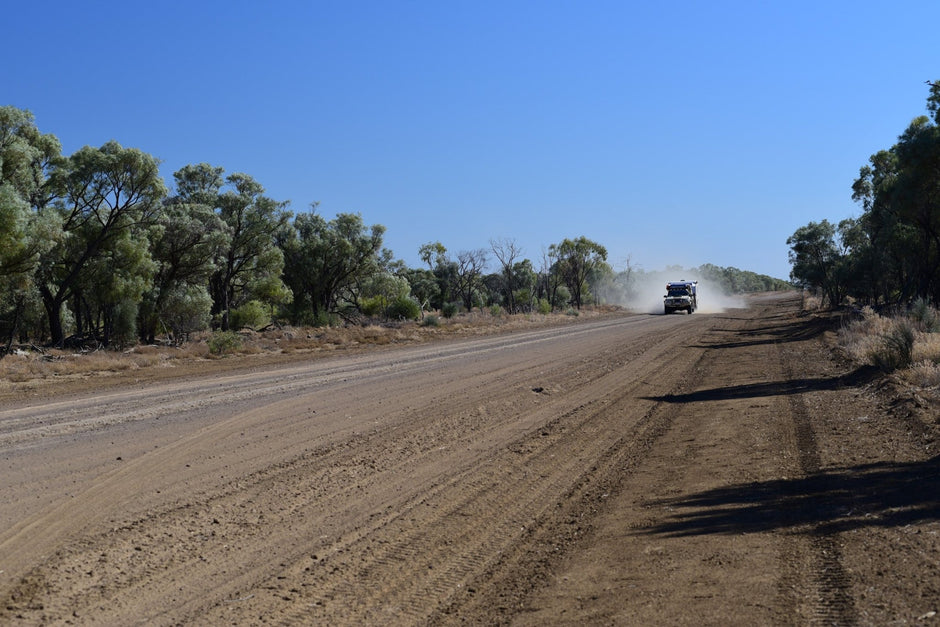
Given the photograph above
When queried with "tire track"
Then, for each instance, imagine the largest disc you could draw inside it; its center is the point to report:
(349, 476)
(832, 601)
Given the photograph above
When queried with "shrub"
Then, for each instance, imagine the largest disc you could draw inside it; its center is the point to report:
(545, 307)
(187, 309)
(222, 342)
(431, 321)
(897, 346)
(404, 308)
(496, 311)
(372, 306)
(449, 310)
(925, 374)
(125, 323)
(926, 317)
(252, 314)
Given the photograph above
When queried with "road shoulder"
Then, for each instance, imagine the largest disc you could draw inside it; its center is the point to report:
(785, 492)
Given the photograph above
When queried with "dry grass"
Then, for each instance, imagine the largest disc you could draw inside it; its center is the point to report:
(53, 365)
(901, 343)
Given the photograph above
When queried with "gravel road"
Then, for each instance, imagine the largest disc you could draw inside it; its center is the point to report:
(639, 469)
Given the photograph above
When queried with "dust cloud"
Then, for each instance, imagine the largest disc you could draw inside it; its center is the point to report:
(644, 293)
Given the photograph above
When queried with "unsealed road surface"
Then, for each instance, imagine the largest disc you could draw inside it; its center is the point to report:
(632, 470)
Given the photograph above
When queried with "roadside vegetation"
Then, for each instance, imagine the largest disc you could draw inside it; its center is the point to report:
(907, 343)
(889, 257)
(885, 264)
(33, 367)
(98, 252)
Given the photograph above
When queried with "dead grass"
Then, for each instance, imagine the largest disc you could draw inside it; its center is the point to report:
(880, 340)
(49, 365)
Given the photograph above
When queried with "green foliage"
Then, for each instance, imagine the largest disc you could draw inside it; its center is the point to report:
(890, 254)
(544, 307)
(373, 306)
(496, 311)
(250, 266)
(186, 308)
(252, 315)
(105, 199)
(562, 297)
(577, 259)
(431, 321)
(449, 310)
(404, 308)
(815, 259)
(223, 342)
(123, 331)
(327, 261)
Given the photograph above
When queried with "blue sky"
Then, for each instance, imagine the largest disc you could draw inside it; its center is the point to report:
(672, 133)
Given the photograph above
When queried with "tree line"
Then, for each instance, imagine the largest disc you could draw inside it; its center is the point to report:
(890, 254)
(95, 249)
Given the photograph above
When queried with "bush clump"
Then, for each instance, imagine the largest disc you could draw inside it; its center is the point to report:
(223, 342)
(897, 346)
(252, 315)
(404, 308)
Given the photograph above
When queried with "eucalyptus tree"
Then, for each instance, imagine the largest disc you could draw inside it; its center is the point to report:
(187, 243)
(105, 200)
(249, 267)
(576, 260)
(325, 261)
(815, 260)
(507, 251)
(26, 157)
(468, 273)
(435, 255)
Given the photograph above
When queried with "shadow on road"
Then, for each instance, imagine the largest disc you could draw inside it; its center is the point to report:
(860, 376)
(794, 331)
(873, 495)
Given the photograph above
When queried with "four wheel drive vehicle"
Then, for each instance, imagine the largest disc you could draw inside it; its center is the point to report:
(680, 296)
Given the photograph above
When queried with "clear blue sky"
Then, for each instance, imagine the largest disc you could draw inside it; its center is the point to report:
(683, 132)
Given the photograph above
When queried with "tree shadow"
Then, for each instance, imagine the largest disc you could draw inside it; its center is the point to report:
(872, 495)
(855, 378)
(795, 331)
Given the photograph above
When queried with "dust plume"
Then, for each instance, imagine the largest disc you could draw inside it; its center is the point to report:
(644, 292)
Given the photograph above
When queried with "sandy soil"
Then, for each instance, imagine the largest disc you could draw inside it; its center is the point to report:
(640, 469)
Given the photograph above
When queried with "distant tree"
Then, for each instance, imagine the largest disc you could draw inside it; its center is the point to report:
(550, 279)
(816, 260)
(576, 260)
(507, 251)
(423, 285)
(327, 260)
(435, 255)
(469, 272)
(601, 281)
(250, 267)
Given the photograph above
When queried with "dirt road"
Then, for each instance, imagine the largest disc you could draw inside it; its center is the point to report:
(705, 469)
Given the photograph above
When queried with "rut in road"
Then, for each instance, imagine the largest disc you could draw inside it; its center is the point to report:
(832, 602)
(395, 518)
